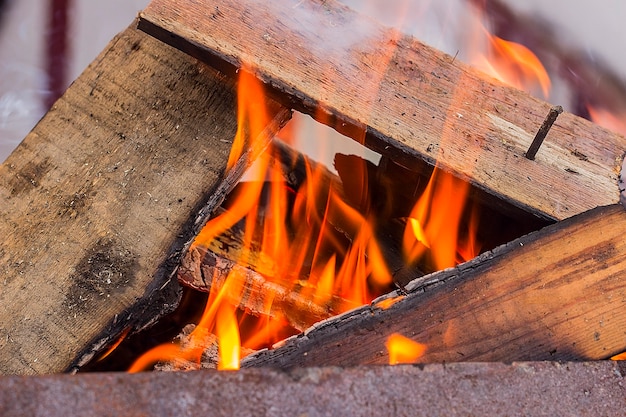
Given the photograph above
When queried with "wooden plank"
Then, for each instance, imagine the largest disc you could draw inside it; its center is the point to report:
(101, 199)
(414, 100)
(556, 294)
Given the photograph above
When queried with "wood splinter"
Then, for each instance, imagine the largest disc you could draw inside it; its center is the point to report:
(543, 131)
(203, 270)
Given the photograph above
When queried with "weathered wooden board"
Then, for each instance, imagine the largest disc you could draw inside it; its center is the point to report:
(414, 100)
(205, 271)
(556, 294)
(99, 202)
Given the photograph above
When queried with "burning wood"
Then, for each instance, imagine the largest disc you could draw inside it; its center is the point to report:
(99, 200)
(330, 237)
(205, 271)
(423, 100)
(479, 310)
(556, 294)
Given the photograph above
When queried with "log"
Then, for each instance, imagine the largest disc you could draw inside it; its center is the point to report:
(410, 101)
(556, 294)
(204, 271)
(100, 201)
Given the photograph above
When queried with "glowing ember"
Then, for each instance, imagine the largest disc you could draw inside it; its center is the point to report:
(388, 302)
(403, 350)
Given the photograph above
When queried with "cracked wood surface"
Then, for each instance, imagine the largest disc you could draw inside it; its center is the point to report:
(100, 200)
(415, 101)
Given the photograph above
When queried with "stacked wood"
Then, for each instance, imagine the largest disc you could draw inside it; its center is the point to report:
(100, 201)
(556, 294)
(415, 102)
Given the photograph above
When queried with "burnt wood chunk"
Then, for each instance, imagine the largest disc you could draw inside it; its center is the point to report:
(556, 294)
(414, 101)
(206, 271)
(102, 198)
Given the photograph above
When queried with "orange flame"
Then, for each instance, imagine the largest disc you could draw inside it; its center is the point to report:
(115, 344)
(511, 63)
(517, 65)
(388, 302)
(161, 353)
(297, 228)
(432, 228)
(615, 121)
(324, 245)
(404, 350)
(252, 116)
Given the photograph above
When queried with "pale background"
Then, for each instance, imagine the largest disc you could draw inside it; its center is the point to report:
(594, 27)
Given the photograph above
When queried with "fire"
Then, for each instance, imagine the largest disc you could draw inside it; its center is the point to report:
(322, 237)
(115, 344)
(433, 226)
(514, 64)
(227, 333)
(608, 119)
(324, 248)
(252, 114)
(388, 302)
(508, 61)
(403, 350)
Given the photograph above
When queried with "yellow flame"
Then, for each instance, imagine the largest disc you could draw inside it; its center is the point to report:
(227, 332)
(404, 350)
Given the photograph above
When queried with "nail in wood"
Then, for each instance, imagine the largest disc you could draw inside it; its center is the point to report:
(543, 131)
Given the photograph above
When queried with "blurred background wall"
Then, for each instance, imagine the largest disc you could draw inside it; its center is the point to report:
(579, 39)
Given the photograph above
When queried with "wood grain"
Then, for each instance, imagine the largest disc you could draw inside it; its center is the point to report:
(257, 294)
(556, 294)
(413, 100)
(100, 200)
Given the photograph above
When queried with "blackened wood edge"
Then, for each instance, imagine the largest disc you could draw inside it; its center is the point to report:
(347, 339)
